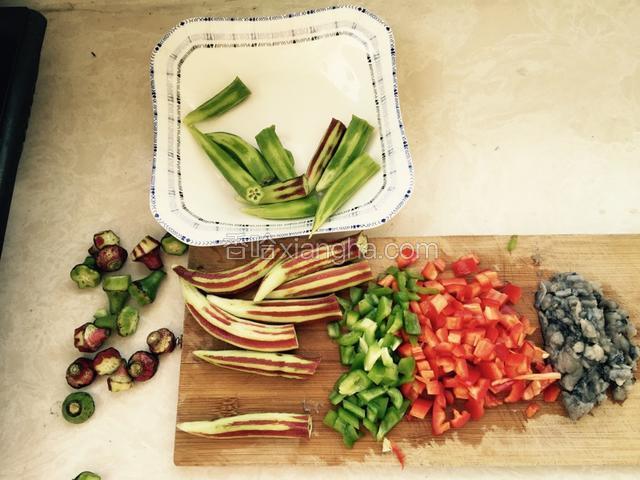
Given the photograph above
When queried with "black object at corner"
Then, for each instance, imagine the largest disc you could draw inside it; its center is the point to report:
(21, 35)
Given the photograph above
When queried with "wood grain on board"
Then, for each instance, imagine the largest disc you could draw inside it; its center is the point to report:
(609, 436)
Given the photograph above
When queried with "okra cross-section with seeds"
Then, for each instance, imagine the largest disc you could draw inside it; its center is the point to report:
(223, 101)
(244, 153)
(236, 331)
(241, 181)
(235, 279)
(269, 425)
(261, 363)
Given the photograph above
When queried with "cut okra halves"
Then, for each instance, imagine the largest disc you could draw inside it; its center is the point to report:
(246, 154)
(238, 177)
(325, 151)
(292, 189)
(279, 159)
(300, 208)
(223, 101)
(353, 143)
(344, 187)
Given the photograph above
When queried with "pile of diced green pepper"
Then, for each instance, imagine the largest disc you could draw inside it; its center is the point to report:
(367, 336)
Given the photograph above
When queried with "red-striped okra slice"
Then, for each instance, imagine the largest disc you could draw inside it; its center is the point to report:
(236, 331)
(325, 281)
(324, 152)
(312, 260)
(235, 279)
(353, 143)
(292, 189)
(279, 158)
(282, 311)
(269, 425)
(261, 363)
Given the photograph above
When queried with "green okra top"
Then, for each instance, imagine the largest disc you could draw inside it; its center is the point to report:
(223, 101)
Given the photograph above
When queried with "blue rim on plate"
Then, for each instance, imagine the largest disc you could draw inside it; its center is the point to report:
(238, 232)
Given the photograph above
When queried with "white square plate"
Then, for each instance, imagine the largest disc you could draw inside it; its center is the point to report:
(302, 69)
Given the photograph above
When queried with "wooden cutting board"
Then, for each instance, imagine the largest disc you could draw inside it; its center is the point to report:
(609, 436)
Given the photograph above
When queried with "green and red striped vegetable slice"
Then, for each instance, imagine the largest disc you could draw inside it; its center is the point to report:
(344, 187)
(300, 208)
(235, 279)
(325, 151)
(223, 101)
(282, 311)
(261, 363)
(279, 159)
(351, 146)
(269, 425)
(292, 189)
(238, 177)
(312, 260)
(236, 331)
(246, 154)
(325, 281)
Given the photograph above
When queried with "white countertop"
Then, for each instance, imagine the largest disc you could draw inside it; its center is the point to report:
(522, 117)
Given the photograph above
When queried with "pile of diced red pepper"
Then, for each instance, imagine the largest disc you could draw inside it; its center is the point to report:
(472, 353)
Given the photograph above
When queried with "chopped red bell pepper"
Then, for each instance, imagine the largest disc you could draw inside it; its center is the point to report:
(465, 265)
(405, 349)
(386, 281)
(420, 407)
(472, 347)
(430, 272)
(407, 257)
(484, 349)
(440, 264)
(475, 408)
(517, 389)
(439, 423)
(551, 393)
(513, 292)
(398, 453)
(460, 419)
(531, 409)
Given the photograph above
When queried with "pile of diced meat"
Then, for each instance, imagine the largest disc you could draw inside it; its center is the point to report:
(589, 340)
